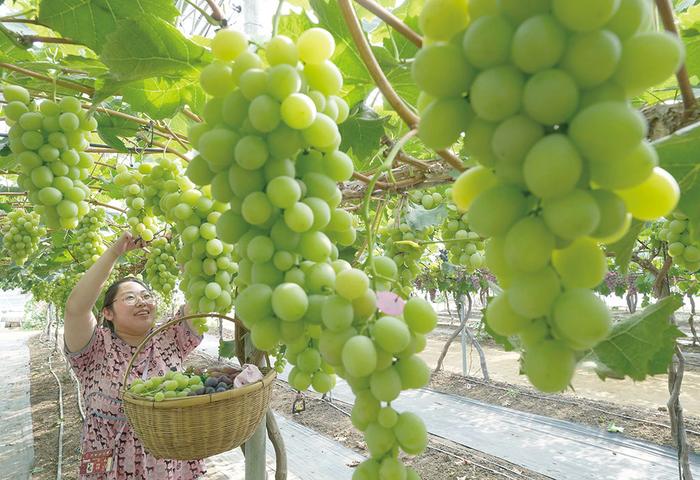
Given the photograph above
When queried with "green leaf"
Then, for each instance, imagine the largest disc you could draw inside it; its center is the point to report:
(110, 127)
(163, 97)
(148, 46)
(419, 218)
(90, 21)
(623, 248)
(227, 348)
(5, 207)
(294, 24)
(362, 132)
(640, 345)
(11, 50)
(678, 153)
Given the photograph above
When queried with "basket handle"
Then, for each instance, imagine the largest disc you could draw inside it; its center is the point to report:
(165, 326)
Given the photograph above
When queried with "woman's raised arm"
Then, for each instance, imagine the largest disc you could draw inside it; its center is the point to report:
(80, 322)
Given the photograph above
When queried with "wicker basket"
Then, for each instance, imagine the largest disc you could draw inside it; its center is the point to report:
(192, 428)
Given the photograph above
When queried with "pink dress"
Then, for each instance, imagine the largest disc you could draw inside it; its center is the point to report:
(100, 367)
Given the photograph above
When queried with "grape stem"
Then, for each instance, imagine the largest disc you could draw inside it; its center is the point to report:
(391, 20)
(63, 83)
(375, 71)
(276, 17)
(29, 39)
(216, 13)
(666, 13)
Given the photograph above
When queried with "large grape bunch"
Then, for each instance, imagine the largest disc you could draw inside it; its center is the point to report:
(161, 269)
(681, 246)
(48, 141)
(139, 216)
(159, 178)
(541, 91)
(87, 244)
(208, 267)
(21, 235)
(269, 148)
(463, 246)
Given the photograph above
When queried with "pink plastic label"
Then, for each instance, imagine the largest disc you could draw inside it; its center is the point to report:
(390, 303)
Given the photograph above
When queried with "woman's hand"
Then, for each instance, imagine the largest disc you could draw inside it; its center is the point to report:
(126, 243)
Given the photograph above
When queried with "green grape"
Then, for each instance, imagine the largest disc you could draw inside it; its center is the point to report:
(580, 318)
(216, 79)
(647, 60)
(518, 11)
(282, 50)
(529, 245)
(496, 93)
(494, 211)
(487, 42)
(359, 356)
(625, 171)
(298, 111)
(549, 365)
(584, 17)
(411, 433)
(315, 46)
(591, 58)
(470, 184)
(441, 19)
(573, 215)
(550, 97)
(324, 77)
(654, 198)
(440, 70)
(538, 44)
(582, 264)
(631, 17)
(443, 121)
(532, 294)
(228, 44)
(385, 385)
(552, 167)
(613, 213)
(391, 334)
(514, 137)
(607, 130)
(501, 318)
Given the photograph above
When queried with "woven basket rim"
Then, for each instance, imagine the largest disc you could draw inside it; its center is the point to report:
(172, 403)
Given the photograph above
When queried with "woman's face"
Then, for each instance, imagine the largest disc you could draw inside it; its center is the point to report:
(133, 310)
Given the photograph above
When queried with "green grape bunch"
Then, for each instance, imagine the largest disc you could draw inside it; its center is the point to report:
(141, 219)
(87, 241)
(541, 92)
(49, 140)
(21, 234)
(464, 247)
(162, 269)
(268, 148)
(209, 270)
(681, 246)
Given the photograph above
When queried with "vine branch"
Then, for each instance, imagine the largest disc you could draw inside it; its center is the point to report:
(375, 71)
(27, 39)
(393, 21)
(666, 13)
(39, 76)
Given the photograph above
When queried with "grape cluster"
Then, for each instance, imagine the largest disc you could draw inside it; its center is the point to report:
(208, 268)
(161, 267)
(685, 251)
(563, 161)
(21, 235)
(160, 177)
(463, 246)
(141, 219)
(269, 148)
(49, 141)
(87, 244)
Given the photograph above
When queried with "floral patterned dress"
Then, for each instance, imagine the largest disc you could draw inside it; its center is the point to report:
(100, 367)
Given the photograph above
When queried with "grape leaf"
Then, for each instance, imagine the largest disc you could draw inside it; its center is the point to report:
(162, 97)
(160, 50)
(6, 207)
(640, 345)
(111, 127)
(11, 49)
(227, 348)
(362, 132)
(623, 248)
(90, 21)
(294, 24)
(419, 218)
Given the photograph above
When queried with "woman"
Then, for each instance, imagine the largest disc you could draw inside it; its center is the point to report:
(99, 356)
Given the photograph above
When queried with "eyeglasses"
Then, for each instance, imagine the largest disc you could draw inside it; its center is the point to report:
(131, 299)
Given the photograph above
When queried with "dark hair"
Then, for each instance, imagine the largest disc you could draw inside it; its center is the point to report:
(111, 294)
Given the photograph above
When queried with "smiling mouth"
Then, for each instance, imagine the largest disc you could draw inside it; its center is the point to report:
(142, 313)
